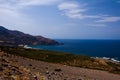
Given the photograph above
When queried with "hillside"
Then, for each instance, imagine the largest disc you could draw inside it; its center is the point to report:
(13, 37)
(31, 64)
(64, 58)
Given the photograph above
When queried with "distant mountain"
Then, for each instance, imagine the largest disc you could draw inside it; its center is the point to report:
(13, 37)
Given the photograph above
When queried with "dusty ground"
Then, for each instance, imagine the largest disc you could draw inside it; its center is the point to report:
(61, 72)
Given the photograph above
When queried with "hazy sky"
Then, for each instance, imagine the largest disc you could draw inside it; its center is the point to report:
(71, 19)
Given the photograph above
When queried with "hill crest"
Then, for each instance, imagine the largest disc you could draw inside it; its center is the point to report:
(14, 37)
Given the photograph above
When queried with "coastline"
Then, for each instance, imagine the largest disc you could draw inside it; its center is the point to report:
(107, 59)
(104, 58)
(92, 48)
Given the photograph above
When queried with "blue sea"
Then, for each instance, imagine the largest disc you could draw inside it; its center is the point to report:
(92, 48)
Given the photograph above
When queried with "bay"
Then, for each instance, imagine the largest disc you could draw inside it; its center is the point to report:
(93, 48)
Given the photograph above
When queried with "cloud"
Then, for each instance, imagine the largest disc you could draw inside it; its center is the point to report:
(109, 19)
(24, 3)
(75, 10)
(11, 12)
(71, 10)
(71, 24)
(97, 25)
(37, 2)
(118, 1)
(78, 11)
(15, 19)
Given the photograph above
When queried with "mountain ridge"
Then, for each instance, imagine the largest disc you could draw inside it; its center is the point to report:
(14, 37)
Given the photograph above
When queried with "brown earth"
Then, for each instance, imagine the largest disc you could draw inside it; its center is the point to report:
(28, 69)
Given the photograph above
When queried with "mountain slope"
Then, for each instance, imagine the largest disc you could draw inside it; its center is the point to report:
(10, 37)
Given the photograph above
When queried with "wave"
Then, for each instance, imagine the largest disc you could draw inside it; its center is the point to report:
(108, 58)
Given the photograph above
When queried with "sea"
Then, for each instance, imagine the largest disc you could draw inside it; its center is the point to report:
(109, 49)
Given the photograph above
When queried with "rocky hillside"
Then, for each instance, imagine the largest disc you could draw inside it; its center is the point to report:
(11, 70)
(12, 37)
(14, 67)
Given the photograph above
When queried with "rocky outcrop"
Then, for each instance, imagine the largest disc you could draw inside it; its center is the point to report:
(12, 37)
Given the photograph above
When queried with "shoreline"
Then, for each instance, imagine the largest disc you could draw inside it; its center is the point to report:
(108, 59)
(105, 58)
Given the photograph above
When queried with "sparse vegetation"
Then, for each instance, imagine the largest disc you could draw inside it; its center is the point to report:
(64, 58)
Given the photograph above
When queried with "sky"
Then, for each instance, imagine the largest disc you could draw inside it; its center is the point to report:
(63, 19)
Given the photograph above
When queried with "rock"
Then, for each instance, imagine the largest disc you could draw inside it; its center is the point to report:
(53, 73)
(42, 78)
(13, 69)
(9, 74)
(47, 72)
(4, 60)
(4, 65)
(35, 77)
(30, 64)
(58, 70)
(1, 69)
(16, 67)
(46, 67)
